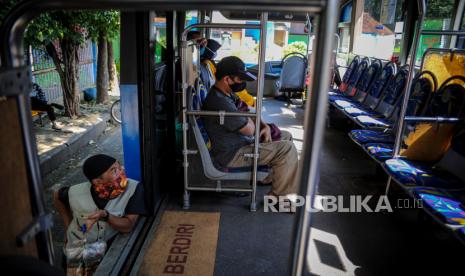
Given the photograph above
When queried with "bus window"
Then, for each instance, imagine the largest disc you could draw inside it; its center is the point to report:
(379, 33)
(438, 17)
(192, 17)
(282, 38)
(344, 34)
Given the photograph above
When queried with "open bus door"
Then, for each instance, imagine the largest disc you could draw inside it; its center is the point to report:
(23, 169)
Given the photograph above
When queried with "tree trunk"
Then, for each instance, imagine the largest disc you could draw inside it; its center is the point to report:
(112, 74)
(102, 70)
(67, 68)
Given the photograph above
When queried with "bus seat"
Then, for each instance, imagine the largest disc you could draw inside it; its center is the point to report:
(204, 144)
(293, 73)
(363, 86)
(446, 174)
(376, 89)
(352, 83)
(424, 85)
(345, 79)
(409, 174)
(390, 99)
(446, 207)
(380, 152)
(364, 136)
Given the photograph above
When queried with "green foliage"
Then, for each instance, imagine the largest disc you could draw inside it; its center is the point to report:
(57, 26)
(102, 23)
(439, 9)
(297, 46)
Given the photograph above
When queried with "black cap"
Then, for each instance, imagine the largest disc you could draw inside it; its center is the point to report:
(96, 165)
(211, 49)
(233, 66)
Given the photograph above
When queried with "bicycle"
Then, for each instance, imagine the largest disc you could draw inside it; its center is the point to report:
(115, 111)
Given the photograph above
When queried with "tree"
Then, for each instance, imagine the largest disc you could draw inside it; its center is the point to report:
(296, 46)
(102, 27)
(61, 34)
(439, 9)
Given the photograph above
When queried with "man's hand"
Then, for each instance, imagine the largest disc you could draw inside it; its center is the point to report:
(265, 134)
(202, 42)
(94, 217)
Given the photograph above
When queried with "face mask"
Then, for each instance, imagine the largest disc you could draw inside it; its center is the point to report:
(202, 50)
(112, 190)
(208, 54)
(237, 87)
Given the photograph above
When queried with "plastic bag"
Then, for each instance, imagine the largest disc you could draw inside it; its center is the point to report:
(80, 251)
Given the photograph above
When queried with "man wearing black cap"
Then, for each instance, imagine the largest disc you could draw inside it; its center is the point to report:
(233, 138)
(100, 208)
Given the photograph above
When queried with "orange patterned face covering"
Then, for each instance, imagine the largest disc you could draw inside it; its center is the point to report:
(113, 189)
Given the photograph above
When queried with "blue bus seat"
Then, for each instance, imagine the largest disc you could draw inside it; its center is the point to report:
(354, 79)
(293, 73)
(423, 87)
(364, 136)
(446, 174)
(376, 90)
(345, 79)
(446, 205)
(378, 82)
(391, 98)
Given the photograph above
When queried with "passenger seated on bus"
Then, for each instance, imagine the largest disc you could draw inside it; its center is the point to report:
(96, 210)
(235, 137)
(208, 70)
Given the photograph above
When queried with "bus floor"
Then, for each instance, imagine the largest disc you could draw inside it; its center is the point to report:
(342, 243)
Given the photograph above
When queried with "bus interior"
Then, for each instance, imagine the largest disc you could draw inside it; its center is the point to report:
(374, 99)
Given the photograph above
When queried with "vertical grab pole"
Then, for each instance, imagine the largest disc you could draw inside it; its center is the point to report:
(258, 105)
(314, 127)
(185, 164)
(408, 86)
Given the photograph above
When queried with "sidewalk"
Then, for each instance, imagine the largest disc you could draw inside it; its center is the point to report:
(55, 147)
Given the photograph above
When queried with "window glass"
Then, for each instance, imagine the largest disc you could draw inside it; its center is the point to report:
(282, 38)
(438, 17)
(192, 17)
(343, 31)
(381, 29)
(159, 31)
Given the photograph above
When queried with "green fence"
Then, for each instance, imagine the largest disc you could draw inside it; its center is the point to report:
(44, 73)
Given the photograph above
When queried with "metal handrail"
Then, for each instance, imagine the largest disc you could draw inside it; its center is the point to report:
(221, 113)
(261, 80)
(408, 86)
(438, 119)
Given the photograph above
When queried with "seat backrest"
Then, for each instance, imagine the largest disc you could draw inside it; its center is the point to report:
(424, 85)
(431, 141)
(293, 73)
(201, 137)
(367, 79)
(377, 88)
(356, 76)
(449, 101)
(350, 70)
(392, 94)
